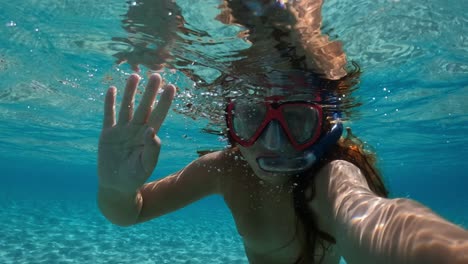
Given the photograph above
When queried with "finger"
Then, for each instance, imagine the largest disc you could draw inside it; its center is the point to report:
(126, 109)
(144, 109)
(151, 149)
(109, 108)
(160, 111)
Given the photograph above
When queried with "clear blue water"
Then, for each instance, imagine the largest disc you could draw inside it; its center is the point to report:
(56, 62)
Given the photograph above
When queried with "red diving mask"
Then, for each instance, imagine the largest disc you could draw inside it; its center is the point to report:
(300, 120)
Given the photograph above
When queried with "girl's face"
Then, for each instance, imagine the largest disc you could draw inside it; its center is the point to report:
(270, 155)
(273, 135)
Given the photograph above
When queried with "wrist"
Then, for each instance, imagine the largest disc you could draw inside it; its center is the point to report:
(120, 208)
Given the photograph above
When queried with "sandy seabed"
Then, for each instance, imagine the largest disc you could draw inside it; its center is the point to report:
(44, 231)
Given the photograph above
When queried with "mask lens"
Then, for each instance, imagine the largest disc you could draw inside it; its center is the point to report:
(302, 121)
(247, 117)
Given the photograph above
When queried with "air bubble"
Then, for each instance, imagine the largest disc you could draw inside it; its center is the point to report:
(10, 24)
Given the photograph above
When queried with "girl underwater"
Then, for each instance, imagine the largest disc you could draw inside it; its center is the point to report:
(299, 191)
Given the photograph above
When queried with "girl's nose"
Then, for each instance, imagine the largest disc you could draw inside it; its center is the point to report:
(273, 137)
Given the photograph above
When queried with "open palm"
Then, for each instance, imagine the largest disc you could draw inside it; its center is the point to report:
(129, 148)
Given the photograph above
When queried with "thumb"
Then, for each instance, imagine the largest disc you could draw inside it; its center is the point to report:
(152, 145)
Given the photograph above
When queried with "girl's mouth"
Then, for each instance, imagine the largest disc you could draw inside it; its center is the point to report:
(281, 164)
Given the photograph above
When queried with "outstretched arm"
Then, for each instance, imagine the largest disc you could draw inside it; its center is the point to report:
(371, 229)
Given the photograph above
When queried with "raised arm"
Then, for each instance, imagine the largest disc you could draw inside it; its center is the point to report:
(154, 199)
(128, 153)
(371, 229)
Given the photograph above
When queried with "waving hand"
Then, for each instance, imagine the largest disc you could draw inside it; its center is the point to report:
(129, 146)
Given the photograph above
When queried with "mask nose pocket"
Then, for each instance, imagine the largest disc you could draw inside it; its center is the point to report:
(273, 137)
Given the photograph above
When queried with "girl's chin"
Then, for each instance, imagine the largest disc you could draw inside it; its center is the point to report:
(274, 178)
